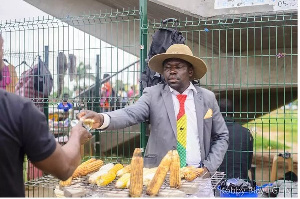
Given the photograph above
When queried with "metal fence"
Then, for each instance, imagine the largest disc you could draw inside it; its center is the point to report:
(251, 60)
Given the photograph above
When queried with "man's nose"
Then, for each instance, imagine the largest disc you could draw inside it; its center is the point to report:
(173, 70)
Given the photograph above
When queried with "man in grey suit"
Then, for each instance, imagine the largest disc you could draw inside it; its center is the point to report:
(206, 133)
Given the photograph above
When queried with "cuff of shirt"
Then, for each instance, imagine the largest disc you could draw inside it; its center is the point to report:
(106, 121)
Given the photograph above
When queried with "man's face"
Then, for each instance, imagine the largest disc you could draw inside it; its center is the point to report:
(177, 73)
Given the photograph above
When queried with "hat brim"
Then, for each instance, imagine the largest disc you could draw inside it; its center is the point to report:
(200, 69)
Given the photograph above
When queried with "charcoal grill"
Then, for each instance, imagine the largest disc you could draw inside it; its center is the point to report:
(188, 189)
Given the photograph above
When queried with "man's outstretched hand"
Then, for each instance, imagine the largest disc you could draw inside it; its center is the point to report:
(98, 118)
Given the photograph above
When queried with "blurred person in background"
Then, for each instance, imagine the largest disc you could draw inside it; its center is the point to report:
(130, 92)
(238, 158)
(65, 106)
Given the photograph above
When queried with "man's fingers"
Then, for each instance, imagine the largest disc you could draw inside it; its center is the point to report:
(87, 116)
(81, 114)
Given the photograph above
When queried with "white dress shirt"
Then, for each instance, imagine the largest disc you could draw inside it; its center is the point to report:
(193, 156)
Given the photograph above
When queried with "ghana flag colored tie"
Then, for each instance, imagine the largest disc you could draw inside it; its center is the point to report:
(181, 130)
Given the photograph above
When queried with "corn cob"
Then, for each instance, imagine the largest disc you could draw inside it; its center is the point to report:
(106, 179)
(76, 172)
(175, 179)
(107, 167)
(136, 177)
(128, 184)
(148, 170)
(147, 178)
(145, 170)
(190, 175)
(67, 182)
(124, 170)
(116, 168)
(160, 175)
(199, 171)
(91, 167)
(103, 170)
(88, 122)
(93, 178)
(185, 170)
(182, 172)
(148, 175)
(122, 182)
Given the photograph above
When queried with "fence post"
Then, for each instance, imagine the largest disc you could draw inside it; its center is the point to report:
(96, 105)
(143, 55)
(46, 100)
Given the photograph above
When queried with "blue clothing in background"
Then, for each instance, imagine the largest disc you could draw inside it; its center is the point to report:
(66, 107)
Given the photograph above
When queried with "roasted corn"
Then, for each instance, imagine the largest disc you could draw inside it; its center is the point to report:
(175, 179)
(91, 167)
(160, 175)
(76, 173)
(122, 182)
(106, 179)
(136, 177)
(124, 170)
(67, 182)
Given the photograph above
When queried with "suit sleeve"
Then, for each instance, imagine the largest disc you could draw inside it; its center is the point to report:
(219, 140)
(132, 114)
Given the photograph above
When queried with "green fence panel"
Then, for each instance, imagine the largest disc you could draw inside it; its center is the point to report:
(251, 59)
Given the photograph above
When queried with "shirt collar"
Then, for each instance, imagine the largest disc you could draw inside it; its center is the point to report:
(191, 87)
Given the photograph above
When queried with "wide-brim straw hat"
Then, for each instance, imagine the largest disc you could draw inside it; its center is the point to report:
(179, 51)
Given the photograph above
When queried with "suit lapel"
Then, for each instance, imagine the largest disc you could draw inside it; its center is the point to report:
(200, 115)
(167, 97)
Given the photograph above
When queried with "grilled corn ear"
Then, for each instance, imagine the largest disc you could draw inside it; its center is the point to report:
(76, 173)
(160, 175)
(116, 168)
(67, 182)
(148, 175)
(175, 179)
(91, 167)
(199, 171)
(106, 179)
(103, 170)
(136, 177)
(88, 122)
(126, 169)
(189, 173)
(122, 182)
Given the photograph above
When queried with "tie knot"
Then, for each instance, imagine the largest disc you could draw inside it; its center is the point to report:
(181, 98)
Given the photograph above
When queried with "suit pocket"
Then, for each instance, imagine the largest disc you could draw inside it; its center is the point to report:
(208, 120)
(207, 124)
(150, 160)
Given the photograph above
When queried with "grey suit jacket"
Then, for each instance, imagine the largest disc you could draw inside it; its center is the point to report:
(156, 105)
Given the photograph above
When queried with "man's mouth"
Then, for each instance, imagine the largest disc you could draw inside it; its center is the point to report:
(173, 80)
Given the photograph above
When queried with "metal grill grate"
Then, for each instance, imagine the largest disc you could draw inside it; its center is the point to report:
(187, 189)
